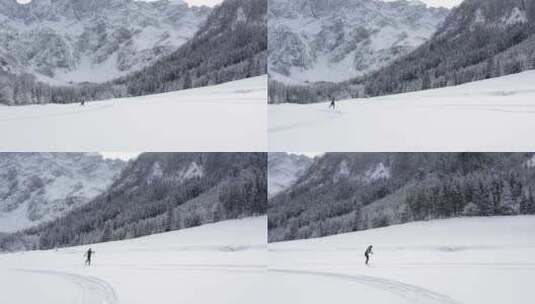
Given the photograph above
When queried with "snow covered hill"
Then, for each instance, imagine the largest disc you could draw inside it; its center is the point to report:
(337, 40)
(226, 117)
(481, 116)
(66, 41)
(466, 260)
(38, 187)
(217, 263)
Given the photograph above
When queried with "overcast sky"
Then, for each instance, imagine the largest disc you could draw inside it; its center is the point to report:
(120, 155)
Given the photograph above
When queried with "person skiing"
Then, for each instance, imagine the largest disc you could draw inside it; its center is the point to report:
(88, 254)
(83, 102)
(333, 104)
(367, 253)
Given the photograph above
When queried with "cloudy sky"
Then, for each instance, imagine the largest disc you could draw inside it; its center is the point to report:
(120, 155)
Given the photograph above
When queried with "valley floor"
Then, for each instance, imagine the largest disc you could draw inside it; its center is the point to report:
(226, 117)
(215, 263)
(489, 115)
(467, 260)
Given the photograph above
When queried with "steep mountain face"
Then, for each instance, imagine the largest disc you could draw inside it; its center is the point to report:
(284, 169)
(344, 192)
(480, 39)
(64, 41)
(39, 187)
(160, 192)
(336, 40)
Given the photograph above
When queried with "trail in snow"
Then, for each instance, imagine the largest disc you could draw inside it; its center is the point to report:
(91, 290)
(201, 119)
(480, 116)
(465, 260)
(411, 293)
(228, 259)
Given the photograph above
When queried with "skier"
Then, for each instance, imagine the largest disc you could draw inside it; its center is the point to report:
(83, 102)
(88, 254)
(333, 104)
(367, 253)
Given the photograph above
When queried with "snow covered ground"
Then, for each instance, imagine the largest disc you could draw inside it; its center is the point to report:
(216, 263)
(491, 115)
(226, 117)
(466, 260)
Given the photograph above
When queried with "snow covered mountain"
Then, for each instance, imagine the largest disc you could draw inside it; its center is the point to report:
(316, 40)
(64, 41)
(39, 187)
(284, 169)
(159, 192)
(343, 192)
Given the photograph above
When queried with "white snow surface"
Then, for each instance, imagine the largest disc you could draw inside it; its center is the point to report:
(484, 116)
(464, 260)
(215, 263)
(227, 117)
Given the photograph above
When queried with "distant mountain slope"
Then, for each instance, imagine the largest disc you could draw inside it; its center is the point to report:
(480, 39)
(160, 192)
(71, 41)
(39, 187)
(311, 41)
(344, 192)
(284, 169)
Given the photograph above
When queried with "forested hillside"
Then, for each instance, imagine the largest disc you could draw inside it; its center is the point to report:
(481, 39)
(159, 192)
(344, 192)
(230, 45)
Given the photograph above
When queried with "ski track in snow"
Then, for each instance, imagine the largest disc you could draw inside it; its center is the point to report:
(412, 293)
(92, 290)
(473, 117)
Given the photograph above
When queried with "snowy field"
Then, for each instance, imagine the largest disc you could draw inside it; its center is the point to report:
(491, 115)
(215, 263)
(226, 117)
(468, 260)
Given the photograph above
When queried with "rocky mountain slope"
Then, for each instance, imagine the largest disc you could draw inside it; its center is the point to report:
(39, 187)
(336, 40)
(344, 192)
(73, 41)
(159, 192)
(284, 169)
